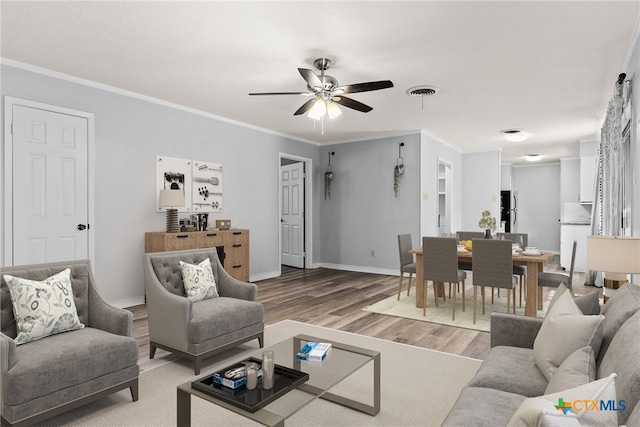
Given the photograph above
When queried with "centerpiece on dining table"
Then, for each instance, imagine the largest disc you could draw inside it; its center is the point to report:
(487, 223)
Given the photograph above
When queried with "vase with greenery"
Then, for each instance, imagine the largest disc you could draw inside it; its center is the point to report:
(487, 223)
(398, 171)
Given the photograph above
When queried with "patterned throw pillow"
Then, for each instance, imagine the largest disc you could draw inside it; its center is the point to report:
(198, 280)
(43, 308)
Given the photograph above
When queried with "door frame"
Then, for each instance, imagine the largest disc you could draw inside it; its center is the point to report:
(6, 250)
(308, 208)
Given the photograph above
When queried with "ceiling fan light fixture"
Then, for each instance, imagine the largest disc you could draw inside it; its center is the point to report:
(318, 110)
(333, 110)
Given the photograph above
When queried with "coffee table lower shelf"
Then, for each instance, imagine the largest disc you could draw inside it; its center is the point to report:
(267, 418)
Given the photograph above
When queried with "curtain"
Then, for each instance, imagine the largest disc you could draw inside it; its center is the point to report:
(612, 158)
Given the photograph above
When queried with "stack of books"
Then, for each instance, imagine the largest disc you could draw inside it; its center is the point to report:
(314, 351)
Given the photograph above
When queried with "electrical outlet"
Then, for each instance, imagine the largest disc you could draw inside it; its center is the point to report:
(373, 253)
(425, 195)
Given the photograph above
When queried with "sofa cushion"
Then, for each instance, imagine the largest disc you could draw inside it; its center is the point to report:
(483, 407)
(510, 369)
(623, 358)
(169, 273)
(79, 283)
(588, 304)
(61, 361)
(231, 315)
(198, 280)
(43, 308)
(581, 404)
(620, 307)
(564, 330)
(577, 369)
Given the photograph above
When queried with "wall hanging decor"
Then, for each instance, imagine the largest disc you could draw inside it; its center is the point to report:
(201, 183)
(328, 177)
(398, 170)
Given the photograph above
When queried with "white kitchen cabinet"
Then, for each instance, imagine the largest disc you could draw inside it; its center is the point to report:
(568, 233)
(587, 178)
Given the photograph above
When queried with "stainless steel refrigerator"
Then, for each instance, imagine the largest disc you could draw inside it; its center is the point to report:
(509, 211)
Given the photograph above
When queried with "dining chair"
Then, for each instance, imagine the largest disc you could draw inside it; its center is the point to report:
(440, 265)
(468, 235)
(492, 267)
(407, 264)
(553, 279)
(518, 270)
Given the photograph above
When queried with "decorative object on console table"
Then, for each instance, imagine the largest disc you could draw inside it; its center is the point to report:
(223, 224)
(616, 256)
(233, 246)
(172, 199)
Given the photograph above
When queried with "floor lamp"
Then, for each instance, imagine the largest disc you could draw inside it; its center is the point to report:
(616, 256)
(171, 199)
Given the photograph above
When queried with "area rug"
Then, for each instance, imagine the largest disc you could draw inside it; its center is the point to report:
(418, 388)
(406, 307)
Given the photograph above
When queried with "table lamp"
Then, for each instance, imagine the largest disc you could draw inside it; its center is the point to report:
(616, 256)
(171, 199)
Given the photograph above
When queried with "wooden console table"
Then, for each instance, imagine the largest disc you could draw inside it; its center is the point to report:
(235, 243)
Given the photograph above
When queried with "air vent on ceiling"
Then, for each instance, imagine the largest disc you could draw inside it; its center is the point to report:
(422, 91)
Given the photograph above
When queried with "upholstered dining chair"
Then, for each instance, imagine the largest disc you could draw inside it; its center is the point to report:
(518, 270)
(407, 264)
(553, 280)
(468, 235)
(492, 267)
(440, 264)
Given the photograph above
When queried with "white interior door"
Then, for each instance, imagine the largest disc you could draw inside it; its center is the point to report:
(49, 186)
(292, 210)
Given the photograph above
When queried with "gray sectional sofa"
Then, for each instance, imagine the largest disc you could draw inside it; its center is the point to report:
(509, 375)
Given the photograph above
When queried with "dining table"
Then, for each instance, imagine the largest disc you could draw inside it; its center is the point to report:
(534, 264)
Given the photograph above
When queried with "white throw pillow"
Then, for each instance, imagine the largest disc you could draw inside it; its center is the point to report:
(564, 330)
(577, 369)
(591, 404)
(43, 308)
(199, 283)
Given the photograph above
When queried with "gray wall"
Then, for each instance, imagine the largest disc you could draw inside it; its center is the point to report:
(363, 213)
(538, 190)
(480, 187)
(129, 134)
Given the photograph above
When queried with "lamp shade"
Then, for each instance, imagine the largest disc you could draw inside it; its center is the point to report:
(171, 198)
(614, 254)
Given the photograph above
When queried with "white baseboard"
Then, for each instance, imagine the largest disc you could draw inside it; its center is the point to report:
(264, 276)
(128, 302)
(360, 269)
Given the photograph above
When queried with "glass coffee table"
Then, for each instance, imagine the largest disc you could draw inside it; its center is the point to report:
(342, 361)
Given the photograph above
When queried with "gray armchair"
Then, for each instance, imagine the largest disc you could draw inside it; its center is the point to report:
(46, 377)
(198, 330)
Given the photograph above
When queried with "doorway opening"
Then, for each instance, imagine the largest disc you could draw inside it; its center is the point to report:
(295, 183)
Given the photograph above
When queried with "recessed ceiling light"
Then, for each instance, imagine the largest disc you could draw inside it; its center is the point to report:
(514, 135)
(532, 157)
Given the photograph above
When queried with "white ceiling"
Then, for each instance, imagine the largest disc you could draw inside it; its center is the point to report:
(546, 67)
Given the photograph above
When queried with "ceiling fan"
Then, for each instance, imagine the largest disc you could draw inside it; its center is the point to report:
(327, 94)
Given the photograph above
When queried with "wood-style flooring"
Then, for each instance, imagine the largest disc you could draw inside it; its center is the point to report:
(335, 299)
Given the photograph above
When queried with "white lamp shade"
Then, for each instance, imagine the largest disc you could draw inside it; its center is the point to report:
(318, 110)
(171, 198)
(614, 254)
(333, 110)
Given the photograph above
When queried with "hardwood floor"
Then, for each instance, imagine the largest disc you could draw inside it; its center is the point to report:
(335, 299)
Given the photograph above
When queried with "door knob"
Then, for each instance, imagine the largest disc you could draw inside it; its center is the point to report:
(82, 227)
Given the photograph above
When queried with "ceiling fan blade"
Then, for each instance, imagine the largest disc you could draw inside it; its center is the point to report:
(310, 77)
(283, 93)
(352, 103)
(305, 107)
(365, 87)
